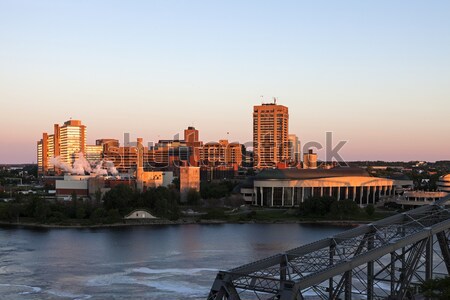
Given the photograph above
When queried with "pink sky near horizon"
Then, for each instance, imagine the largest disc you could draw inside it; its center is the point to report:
(366, 139)
(375, 73)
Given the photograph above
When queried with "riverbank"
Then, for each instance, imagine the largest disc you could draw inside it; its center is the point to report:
(161, 222)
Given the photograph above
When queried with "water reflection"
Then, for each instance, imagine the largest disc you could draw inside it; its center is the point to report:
(157, 262)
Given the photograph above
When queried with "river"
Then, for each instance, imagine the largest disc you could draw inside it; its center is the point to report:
(142, 262)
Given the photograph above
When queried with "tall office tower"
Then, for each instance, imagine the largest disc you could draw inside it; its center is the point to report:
(294, 150)
(191, 137)
(270, 135)
(72, 140)
(65, 142)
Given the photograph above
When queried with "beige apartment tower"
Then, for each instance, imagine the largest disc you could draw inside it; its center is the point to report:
(270, 135)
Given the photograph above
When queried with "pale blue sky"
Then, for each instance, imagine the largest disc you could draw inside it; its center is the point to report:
(376, 73)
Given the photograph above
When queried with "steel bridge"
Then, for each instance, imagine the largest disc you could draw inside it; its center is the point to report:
(386, 259)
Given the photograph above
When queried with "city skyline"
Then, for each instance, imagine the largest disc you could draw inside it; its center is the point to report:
(155, 68)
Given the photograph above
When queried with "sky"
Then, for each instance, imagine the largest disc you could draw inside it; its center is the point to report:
(375, 73)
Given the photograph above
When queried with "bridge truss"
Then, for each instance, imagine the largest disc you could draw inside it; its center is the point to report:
(386, 259)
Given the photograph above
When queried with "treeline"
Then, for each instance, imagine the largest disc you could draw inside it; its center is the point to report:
(115, 204)
(216, 190)
(161, 201)
(437, 288)
(332, 209)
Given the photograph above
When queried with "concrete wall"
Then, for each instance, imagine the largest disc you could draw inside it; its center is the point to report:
(71, 184)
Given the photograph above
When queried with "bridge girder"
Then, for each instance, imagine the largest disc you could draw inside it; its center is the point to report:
(384, 259)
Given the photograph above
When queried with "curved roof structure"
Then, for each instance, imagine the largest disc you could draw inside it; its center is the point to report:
(302, 174)
(140, 214)
(445, 178)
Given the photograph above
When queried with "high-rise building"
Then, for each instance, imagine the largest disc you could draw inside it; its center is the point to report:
(191, 138)
(294, 150)
(72, 140)
(270, 135)
(45, 151)
(65, 142)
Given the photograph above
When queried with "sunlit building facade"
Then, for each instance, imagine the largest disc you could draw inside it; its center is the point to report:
(310, 160)
(222, 153)
(290, 187)
(124, 158)
(93, 153)
(270, 135)
(192, 140)
(65, 142)
(45, 153)
(294, 150)
(72, 140)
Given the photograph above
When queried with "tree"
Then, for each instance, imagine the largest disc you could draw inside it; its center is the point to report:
(316, 206)
(328, 207)
(74, 199)
(80, 213)
(176, 183)
(42, 211)
(98, 197)
(114, 216)
(119, 198)
(98, 214)
(438, 288)
(193, 197)
(215, 190)
(344, 208)
(370, 210)
(14, 211)
(215, 214)
(161, 207)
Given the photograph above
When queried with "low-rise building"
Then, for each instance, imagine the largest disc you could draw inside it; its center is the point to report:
(290, 187)
(72, 184)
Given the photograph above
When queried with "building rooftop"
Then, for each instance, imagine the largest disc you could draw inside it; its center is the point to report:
(445, 177)
(310, 173)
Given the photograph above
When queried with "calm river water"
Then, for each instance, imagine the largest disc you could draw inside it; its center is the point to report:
(153, 262)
